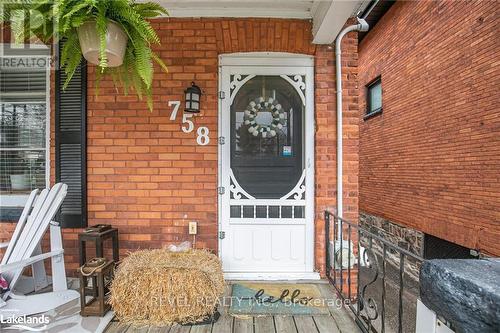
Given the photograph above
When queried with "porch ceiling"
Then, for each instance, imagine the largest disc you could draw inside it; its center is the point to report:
(300, 9)
(328, 15)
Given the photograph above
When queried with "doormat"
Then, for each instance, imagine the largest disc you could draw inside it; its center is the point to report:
(277, 299)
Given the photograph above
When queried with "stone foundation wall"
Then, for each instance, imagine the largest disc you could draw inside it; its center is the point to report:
(406, 238)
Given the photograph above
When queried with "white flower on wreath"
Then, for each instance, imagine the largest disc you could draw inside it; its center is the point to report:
(260, 104)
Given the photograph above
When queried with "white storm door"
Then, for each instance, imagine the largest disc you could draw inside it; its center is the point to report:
(266, 159)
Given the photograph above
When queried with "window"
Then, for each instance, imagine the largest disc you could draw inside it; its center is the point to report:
(266, 136)
(24, 127)
(374, 97)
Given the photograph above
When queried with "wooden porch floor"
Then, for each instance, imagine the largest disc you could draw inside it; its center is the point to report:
(338, 321)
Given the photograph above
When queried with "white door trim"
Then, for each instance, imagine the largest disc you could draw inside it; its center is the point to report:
(266, 59)
(272, 276)
(273, 63)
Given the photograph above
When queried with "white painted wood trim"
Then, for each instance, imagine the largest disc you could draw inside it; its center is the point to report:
(309, 136)
(268, 59)
(286, 14)
(296, 9)
(330, 17)
(48, 107)
(267, 221)
(269, 202)
(270, 63)
(245, 276)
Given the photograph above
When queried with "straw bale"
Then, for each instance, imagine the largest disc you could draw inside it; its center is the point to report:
(159, 287)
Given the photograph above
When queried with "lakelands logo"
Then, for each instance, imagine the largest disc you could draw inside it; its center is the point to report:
(25, 323)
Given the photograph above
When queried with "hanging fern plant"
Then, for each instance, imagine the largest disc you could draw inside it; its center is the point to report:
(66, 19)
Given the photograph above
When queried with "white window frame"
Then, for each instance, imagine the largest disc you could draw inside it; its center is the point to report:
(19, 200)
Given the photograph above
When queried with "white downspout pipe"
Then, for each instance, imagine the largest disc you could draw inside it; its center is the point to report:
(360, 26)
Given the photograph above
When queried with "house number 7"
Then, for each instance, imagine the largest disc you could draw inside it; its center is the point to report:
(202, 137)
(176, 105)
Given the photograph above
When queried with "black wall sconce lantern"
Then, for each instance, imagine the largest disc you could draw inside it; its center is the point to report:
(193, 95)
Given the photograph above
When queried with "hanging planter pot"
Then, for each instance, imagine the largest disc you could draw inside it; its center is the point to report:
(116, 43)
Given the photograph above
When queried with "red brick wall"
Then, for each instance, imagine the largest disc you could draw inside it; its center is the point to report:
(149, 179)
(431, 160)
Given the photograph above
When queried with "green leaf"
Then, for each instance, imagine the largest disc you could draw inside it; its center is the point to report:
(159, 62)
(71, 15)
(71, 57)
(98, 76)
(102, 27)
(149, 99)
(149, 9)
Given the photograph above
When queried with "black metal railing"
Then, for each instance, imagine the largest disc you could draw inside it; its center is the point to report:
(370, 275)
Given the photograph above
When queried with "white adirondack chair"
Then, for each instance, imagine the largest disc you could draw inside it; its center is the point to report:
(24, 250)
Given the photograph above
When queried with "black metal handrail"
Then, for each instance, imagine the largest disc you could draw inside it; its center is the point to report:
(365, 308)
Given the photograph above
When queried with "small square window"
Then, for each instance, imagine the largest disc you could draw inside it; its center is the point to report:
(274, 212)
(248, 212)
(374, 97)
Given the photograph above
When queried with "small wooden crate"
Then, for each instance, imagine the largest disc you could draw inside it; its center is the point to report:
(94, 297)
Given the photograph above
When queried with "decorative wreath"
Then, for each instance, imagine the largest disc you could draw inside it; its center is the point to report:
(258, 105)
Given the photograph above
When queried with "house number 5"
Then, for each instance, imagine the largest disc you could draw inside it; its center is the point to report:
(202, 137)
(185, 120)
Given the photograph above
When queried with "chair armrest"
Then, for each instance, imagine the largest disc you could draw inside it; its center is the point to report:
(30, 261)
(3, 245)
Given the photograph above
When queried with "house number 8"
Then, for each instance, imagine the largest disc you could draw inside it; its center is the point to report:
(202, 139)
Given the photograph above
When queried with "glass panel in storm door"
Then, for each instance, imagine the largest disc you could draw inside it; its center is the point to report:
(266, 137)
